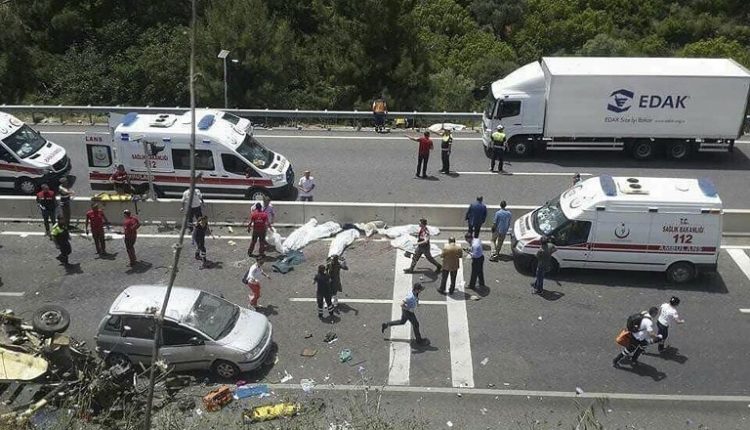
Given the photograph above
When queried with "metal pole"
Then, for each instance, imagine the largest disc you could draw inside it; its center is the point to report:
(147, 154)
(178, 246)
(226, 92)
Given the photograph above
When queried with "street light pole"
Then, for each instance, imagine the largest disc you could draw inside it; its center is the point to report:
(223, 54)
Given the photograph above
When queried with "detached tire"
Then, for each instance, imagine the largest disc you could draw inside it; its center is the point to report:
(680, 272)
(50, 319)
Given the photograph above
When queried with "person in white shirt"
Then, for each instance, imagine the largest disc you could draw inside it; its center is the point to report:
(477, 261)
(268, 209)
(305, 186)
(645, 335)
(667, 316)
(252, 280)
(196, 208)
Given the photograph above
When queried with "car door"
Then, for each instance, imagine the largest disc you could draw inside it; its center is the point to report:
(183, 347)
(137, 338)
(573, 242)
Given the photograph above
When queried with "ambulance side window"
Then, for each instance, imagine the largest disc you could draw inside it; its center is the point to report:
(235, 165)
(99, 155)
(204, 159)
(7, 156)
(574, 233)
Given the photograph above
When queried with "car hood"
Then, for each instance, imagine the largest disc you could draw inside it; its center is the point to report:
(247, 332)
(47, 155)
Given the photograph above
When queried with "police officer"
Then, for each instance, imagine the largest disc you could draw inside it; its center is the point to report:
(498, 147)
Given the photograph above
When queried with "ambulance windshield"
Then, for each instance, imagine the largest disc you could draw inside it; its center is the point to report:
(25, 141)
(255, 153)
(549, 218)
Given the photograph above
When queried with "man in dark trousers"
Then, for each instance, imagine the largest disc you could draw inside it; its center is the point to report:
(45, 198)
(498, 149)
(446, 145)
(61, 236)
(475, 216)
(543, 264)
(642, 336)
(477, 262)
(130, 226)
(451, 254)
(423, 154)
(97, 220)
(258, 225)
(408, 306)
(423, 247)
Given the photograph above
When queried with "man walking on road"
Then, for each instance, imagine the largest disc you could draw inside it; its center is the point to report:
(475, 216)
(500, 227)
(96, 218)
(543, 264)
(45, 198)
(61, 236)
(423, 153)
(258, 225)
(667, 316)
(323, 291)
(446, 145)
(451, 254)
(333, 269)
(130, 226)
(644, 334)
(306, 185)
(199, 239)
(408, 306)
(498, 149)
(477, 262)
(423, 247)
(252, 280)
(196, 208)
(379, 111)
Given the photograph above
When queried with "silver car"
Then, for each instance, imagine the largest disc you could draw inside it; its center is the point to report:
(201, 331)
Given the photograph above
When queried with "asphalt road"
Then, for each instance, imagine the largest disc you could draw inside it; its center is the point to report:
(364, 166)
(514, 340)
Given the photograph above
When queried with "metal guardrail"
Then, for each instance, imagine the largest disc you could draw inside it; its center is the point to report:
(248, 113)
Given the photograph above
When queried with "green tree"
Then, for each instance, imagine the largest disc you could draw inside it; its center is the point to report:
(719, 47)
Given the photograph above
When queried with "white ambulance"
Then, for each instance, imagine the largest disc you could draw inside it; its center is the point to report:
(651, 224)
(27, 159)
(229, 160)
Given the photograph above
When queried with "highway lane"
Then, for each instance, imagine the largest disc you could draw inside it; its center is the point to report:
(364, 166)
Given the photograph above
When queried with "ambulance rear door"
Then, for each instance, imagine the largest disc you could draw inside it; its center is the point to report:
(101, 156)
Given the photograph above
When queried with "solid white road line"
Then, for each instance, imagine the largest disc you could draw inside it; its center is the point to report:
(371, 301)
(11, 294)
(400, 345)
(522, 393)
(743, 261)
(745, 311)
(523, 173)
(462, 367)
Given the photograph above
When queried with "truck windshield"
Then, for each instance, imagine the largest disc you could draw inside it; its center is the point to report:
(213, 316)
(255, 153)
(549, 218)
(24, 142)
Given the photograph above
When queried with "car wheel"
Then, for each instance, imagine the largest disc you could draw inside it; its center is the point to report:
(257, 194)
(678, 150)
(680, 272)
(225, 369)
(117, 359)
(643, 150)
(26, 185)
(50, 319)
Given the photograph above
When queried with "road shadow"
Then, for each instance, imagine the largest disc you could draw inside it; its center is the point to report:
(643, 369)
(431, 178)
(330, 319)
(670, 353)
(453, 174)
(107, 256)
(73, 268)
(551, 295)
(267, 310)
(424, 346)
(345, 308)
(481, 290)
(213, 265)
(139, 267)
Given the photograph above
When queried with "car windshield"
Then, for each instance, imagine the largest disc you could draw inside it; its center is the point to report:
(234, 119)
(213, 316)
(255, 153)
(24, 142)
(549, 217)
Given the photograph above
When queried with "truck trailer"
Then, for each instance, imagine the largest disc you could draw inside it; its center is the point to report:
(642, 106)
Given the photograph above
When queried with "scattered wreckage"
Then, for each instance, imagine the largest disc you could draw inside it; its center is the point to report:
(41, 366)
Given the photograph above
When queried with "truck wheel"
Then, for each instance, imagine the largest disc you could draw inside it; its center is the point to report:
(257, 194)
(26, 185)
(521, 148)
(643, 150)
(678, 150)
(50, 319)
(680, 272)
(225, 370)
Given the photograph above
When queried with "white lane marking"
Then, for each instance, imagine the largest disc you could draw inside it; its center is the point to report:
(523, 173)
(735, 247)
(462, 367)
(370, 301)
(743, 261)
(522, 393)
(400, 344)
(11, 294)
(745, 311)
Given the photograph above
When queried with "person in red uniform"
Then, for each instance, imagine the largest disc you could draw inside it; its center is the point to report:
(423, 155)
(45, 198)
(259, 224)
(120, 180)
(96, 218)
(130, 226)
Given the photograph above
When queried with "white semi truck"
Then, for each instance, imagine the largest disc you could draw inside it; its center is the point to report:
(643, 106)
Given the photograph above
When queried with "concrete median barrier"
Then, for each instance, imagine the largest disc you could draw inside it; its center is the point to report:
(233, 212)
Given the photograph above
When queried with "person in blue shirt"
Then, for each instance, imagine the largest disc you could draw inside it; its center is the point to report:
(475, 216)
(408, 306)
(500, 228)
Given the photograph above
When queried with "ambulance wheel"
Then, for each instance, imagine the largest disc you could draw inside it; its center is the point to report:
(26, 185)
(680, 272)
(678, 150)
(257, 194)
(642, 150)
